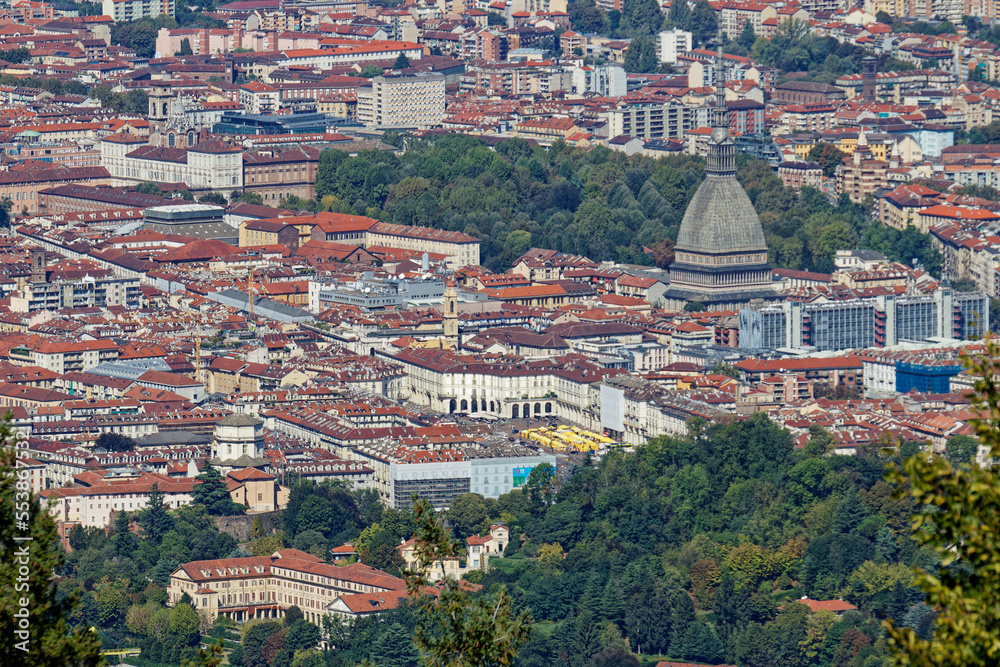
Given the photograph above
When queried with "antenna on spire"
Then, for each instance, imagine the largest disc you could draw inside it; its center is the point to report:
(721, 117)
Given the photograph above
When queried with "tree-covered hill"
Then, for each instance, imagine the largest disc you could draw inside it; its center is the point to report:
(597, 202)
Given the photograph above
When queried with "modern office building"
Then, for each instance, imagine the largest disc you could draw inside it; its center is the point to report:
(233, 122)
(471, 471)
(881, 321)
(133, 10)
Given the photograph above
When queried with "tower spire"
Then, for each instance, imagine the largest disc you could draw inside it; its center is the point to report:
(721, 149)
(721, 117)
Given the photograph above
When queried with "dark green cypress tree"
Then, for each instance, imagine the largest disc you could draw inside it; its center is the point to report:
(679, 13)
(885, 545)
(164, 568)
(700, 644)
(612, 604)
(682, 617)
(154, 520)
(213, 494)
(850, 513)
(123, 541)
(586, 639)
(394, 648)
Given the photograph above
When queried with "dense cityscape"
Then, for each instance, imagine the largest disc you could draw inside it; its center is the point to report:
(587, 333)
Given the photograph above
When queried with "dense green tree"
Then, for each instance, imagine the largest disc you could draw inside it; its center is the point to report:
(961, 449)
(402, 62)
(850, 513)
(959, 518)
(468, 515)
(679, 13)
(747, 36)
(641, 17)
(394, 648)
(123, 541)
(17, 56)
(703, 23)
(185, 48)
(213, 493)
(828, 156)
(46, 637)
(154, 520)
(213, 198)
(114, 442)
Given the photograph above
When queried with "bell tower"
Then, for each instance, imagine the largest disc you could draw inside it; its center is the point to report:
(159, 104)
(451, 336)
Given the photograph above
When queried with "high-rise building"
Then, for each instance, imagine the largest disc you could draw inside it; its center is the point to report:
(881, 321)
(720, 255)
(672, 43)
(397, 100)
(133, 10)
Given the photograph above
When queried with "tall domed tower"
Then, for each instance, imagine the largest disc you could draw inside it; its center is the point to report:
(720, 258)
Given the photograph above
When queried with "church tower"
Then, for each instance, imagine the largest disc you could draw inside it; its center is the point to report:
(451, 336)
(159, 104)
(720, 258)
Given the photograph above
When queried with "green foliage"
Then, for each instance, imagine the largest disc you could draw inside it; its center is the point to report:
(212, 198)
(213, 493)
(401, 62)
(370, 71)
(26, 579)
(249, 197)
(794, 48)
(702, 23)
(140, 35)
(114, 442)
(124, 542)
(17, 56)
(185, 48)
(827, 156)
(641, 57)
(146, 189)
(904, 246)
(394, 648)
(959, 519)
(596, 203)
(457, 630)
(154, 520)
(468, 515)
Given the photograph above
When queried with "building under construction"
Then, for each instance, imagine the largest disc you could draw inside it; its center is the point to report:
(881, 321)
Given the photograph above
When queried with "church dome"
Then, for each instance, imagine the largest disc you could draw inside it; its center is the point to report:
(720, 219)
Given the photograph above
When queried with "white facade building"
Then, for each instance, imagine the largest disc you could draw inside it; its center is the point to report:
(673, 42)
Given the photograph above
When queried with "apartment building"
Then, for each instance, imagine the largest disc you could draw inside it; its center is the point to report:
(133, 10)
(99, 291)
(858, 178)
(266, 586)
(797, 175)
(398, 100)
(65, 357)
(808, 118)
(653, 120)
(672, 43)
(259, 98)
(22, 188)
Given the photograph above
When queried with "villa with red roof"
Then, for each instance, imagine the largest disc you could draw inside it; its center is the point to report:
(266, 586)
